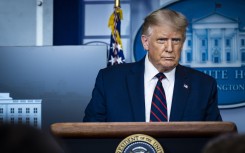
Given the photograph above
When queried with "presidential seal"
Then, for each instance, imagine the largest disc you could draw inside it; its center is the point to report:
(139, 143)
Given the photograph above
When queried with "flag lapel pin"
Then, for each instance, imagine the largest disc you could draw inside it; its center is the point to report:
(186, 86)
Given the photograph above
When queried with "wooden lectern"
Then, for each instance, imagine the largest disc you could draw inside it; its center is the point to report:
(175, 137)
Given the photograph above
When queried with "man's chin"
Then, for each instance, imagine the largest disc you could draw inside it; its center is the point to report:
(169, 66)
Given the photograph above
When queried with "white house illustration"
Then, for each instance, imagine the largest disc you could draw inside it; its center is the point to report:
(214, 41)
(25, 111)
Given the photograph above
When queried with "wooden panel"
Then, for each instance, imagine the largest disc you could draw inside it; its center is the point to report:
(158, 130)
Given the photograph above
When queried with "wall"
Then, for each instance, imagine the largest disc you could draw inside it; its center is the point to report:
(24, 23)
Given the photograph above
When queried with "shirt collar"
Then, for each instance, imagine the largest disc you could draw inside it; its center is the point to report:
(151, 71)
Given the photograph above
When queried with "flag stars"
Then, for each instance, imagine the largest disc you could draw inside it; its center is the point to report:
(116, 46)
(119, 47)
(114, 60)
(119, 60)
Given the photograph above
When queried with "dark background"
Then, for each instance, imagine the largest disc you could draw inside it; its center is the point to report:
(67, 28)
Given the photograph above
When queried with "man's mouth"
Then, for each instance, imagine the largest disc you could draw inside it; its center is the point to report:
(168, 58)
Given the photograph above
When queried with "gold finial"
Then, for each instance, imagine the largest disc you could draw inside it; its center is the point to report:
(117, 3)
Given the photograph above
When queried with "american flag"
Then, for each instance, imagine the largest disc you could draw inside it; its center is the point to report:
(115, 55)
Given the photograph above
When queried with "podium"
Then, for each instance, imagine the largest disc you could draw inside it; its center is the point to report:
(175, 137)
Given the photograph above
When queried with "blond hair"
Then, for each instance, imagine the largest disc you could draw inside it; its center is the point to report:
(167, 17)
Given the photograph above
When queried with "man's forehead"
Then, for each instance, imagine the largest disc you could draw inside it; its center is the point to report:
(167, 32)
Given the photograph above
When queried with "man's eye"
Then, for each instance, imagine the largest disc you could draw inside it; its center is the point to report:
(162, 40)
(176, 40)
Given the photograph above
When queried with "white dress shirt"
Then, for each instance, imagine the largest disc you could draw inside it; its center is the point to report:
(150, 82)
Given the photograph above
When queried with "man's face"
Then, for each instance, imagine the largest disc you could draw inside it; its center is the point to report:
(164, 45)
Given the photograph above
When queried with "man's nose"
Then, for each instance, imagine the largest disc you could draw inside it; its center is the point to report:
(169, 45)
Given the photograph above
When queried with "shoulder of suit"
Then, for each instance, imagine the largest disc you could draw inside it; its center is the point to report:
(195, 73)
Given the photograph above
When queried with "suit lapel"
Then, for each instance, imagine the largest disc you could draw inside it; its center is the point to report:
(180, 95)
(135, 82)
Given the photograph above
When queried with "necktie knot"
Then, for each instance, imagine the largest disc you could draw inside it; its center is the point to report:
(160, 76)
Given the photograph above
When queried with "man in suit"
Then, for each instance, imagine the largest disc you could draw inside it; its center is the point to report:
(124, 93)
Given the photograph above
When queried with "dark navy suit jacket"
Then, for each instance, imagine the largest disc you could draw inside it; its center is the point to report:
(118, 95)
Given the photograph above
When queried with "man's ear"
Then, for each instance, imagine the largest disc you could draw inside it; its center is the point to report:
(145, 42)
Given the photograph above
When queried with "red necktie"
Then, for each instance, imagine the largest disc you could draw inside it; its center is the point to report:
(159, 105)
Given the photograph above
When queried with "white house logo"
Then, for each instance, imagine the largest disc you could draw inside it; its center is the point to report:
(215, 45)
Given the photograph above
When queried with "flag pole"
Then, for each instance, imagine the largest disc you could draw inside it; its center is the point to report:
(117, 3)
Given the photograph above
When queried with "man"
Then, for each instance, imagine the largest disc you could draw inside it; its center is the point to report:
(226, 143)
(124, 93)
